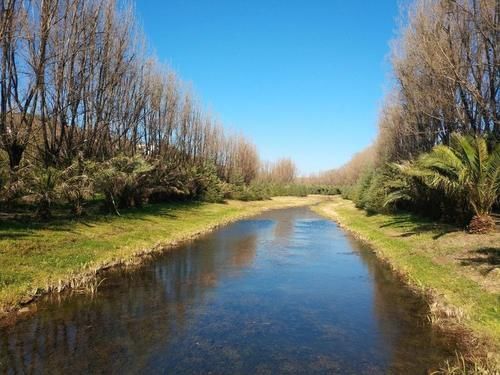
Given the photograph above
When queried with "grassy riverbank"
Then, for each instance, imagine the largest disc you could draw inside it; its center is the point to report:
(459, 270)
(35, 257)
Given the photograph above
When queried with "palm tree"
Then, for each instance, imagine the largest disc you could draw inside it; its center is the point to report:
(465, 169)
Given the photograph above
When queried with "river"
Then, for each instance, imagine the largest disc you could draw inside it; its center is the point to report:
(284, 292)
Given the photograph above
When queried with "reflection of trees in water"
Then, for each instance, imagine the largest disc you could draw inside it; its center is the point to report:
(245, 252)
(132, 317)
(400, 315)
(286, 221)
(285, 225)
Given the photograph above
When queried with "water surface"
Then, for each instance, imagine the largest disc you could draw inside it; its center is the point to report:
(284, 292)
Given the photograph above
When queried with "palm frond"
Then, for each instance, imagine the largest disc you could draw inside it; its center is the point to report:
(397, 196)
(465, 149)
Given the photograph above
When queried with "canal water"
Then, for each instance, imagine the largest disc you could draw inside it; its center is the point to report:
(284, 292)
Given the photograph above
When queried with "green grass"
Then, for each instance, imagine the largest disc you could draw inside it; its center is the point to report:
(430, 255)
(36, 256)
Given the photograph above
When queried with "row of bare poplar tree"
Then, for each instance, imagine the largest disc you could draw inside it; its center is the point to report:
(77, 83)
(447, 70)
(446, 73)
(446, 82)
(75, 77)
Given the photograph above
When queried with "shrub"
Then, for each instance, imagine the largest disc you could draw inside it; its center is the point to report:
(168, 181)
(42, 185)
(296, 190)
(347, 192)
(323, 190)
(76, 185)
(381, 190)
(209, 187)
(359, 194)
(4, 172)
(266, 190)
(14, 184)
(123, 181)
(252, 192)
(465, 173)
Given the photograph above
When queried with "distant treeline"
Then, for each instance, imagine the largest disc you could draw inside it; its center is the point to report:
(437, 151)
(85, 112)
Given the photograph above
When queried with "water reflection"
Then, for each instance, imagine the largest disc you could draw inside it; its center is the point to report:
(285, 292)
(394, 303)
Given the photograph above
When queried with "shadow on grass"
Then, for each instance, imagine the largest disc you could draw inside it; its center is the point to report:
(486, 256)
(413, 225)
(14, 235)
(14, 226)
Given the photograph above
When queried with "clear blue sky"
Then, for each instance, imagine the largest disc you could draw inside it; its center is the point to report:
(302, 79)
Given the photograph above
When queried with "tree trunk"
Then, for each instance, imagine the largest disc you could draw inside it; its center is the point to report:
(480, 224)
(15, 152)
